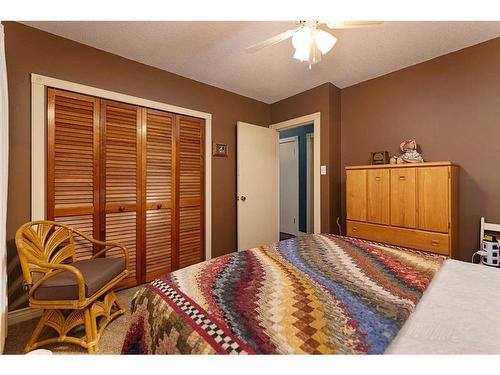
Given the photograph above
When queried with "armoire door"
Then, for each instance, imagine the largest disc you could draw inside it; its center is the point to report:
(378, 196)
(189, 190)
(159, 144)
(72, 157)
(403, 197)
(433, 199)
(356, 194)
(121, 195)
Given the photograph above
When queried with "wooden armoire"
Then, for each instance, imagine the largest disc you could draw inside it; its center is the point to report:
(410, 205)
(130, 174)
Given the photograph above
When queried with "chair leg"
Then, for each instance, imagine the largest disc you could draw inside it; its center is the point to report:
(119, 304)
(31, 345)
(90, 331)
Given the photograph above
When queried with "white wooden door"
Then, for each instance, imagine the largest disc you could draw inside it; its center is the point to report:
(289, 185)
(257, 190)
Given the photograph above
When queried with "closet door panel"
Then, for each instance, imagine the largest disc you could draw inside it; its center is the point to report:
(122, 227)
(158, 171)
(190, 177)
(121, 146)
(190, 236)
(159, 243)
(72, 160)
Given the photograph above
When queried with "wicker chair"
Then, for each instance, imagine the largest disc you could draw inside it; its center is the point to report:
(71, 292)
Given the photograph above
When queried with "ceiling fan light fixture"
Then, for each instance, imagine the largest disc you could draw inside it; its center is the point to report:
(301, 40)
(302, 37)
(314, 54)
(302, 53)
(325, 41)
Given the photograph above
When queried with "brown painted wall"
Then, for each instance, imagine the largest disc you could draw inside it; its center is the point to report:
(325, 99)
(30, 50)
(451, 106)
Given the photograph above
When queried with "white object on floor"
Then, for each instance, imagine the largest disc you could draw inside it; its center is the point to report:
(40, 352)
(458, 314)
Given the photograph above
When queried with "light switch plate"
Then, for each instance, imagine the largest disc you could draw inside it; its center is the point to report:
(323, 170)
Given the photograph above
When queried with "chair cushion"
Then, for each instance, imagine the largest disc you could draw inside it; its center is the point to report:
(96, 273)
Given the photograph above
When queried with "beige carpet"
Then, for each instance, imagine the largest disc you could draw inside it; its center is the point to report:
(110, 343)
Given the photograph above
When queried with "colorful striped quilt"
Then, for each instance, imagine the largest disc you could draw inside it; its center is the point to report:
(317, 294)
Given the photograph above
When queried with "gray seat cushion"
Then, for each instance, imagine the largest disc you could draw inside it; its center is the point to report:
(96, 273)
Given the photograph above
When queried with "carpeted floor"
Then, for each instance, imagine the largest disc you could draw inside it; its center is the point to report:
(110, 343)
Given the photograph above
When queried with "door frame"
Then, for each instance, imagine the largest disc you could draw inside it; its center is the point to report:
(39, 85)
(315, 119)
(309, 216)
(294, 139)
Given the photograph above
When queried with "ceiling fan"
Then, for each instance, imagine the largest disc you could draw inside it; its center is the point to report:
(311, 39)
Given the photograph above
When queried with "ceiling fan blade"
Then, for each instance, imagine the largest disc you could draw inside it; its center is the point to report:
(351, 24)
(271, 41)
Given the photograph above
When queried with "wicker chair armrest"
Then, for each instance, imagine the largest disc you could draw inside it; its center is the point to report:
(111, 245)
(107, 246)
(59, 268)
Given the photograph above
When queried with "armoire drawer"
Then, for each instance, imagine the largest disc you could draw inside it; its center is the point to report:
(415, 239)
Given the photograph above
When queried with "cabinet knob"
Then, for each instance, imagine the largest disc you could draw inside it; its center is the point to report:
(402, 178)
(243, 198)
(121, 209)
(435, 242)
(159, 205)
(377, 178)
(354, 229)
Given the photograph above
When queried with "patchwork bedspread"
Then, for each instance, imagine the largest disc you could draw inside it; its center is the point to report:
(313, 294)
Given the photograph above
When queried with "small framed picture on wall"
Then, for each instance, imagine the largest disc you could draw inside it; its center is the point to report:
(219, 149)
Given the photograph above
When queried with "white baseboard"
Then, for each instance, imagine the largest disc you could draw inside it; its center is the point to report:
(21, 315)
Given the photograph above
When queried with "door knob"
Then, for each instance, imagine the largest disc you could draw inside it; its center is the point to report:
(243, 198)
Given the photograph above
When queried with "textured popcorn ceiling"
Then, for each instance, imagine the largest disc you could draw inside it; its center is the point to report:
(214, 52)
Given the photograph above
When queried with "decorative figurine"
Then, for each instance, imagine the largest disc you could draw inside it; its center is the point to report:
(410, 153)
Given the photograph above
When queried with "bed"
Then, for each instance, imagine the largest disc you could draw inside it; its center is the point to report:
(316, 294)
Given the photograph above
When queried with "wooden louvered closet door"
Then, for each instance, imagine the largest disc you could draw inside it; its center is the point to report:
(159, 143)
(121, 180)
(72, 154)
(190, 184)
(129, 174)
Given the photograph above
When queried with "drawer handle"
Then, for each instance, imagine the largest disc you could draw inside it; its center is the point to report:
(402, 178)
(377, 178)
(435, 242)
(354, 229)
